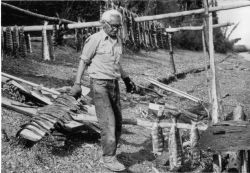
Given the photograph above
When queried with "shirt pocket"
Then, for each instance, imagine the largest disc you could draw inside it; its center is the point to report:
(104, 49)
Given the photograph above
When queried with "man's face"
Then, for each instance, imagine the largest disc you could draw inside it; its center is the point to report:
(112, 27)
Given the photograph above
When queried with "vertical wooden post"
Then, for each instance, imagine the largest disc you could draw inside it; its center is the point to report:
(216, 109)
(171, 53)
(205, 60)
(45, 46)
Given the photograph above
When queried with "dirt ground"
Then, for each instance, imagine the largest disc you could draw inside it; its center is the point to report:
(81, 152)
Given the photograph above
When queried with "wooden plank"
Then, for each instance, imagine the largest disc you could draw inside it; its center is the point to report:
(30, 83)
(225, 138)
(32, 93)
(168, 88)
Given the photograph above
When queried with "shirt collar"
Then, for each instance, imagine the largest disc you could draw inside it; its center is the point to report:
(104, 35)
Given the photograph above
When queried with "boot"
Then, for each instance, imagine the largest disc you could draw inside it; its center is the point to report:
(111, 163)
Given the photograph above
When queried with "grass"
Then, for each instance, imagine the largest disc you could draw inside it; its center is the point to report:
(81, 152)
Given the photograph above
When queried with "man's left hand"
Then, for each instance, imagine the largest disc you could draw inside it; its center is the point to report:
(130, 85)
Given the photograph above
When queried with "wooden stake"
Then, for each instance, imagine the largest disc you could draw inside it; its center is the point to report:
(171, 53)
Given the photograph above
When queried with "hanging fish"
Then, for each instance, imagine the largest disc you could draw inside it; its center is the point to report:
(45, 44)
(15, 41)
(131, 29)
(23, 49)
(138, 35)
(51, 46)
(154, 33)
(146, 35)
(157, 139)
(2, 44)
(28, 43)
(194, 137)
(54, 35)
(150, 34)
(9, 41)
(175, 147)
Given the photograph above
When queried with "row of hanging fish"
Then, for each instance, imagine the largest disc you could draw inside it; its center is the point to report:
(172, 139)
(15, 42)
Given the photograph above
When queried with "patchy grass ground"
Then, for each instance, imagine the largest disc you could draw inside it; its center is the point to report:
(81, 152)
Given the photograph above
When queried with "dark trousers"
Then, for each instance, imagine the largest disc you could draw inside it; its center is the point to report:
(106, 97)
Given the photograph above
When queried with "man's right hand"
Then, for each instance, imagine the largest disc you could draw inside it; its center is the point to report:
(76, 91)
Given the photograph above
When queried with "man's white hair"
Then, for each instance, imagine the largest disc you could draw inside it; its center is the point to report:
(106, 16)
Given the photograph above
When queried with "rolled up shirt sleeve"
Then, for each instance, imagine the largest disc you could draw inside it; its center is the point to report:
(89, 49)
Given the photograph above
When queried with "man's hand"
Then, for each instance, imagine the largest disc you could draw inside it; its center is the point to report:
(76, 91)
(130, 85)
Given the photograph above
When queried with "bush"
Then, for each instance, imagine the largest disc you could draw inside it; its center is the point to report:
(192, 40)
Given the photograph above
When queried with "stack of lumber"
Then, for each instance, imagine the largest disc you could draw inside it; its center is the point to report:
(63, 113)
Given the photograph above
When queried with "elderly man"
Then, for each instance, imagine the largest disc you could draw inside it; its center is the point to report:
(101, 55)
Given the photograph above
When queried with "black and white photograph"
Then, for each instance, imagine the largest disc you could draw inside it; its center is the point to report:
(132, 86)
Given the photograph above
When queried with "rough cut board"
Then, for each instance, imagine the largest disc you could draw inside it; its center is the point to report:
(228, 138)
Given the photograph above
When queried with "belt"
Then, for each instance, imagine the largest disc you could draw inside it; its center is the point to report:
(108, 80)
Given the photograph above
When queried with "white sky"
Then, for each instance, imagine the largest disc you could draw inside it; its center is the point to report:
(241, 15)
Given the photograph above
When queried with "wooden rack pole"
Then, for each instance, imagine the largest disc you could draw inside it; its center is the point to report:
(196, 28)
(191, 12)
(50, 27)
(216, 109)
(43, 17)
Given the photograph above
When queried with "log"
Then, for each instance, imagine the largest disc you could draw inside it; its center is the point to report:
(7, 103)
(191, 12)
(30, 83)
(40, 16)
(186, 113)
